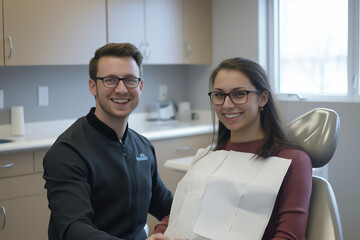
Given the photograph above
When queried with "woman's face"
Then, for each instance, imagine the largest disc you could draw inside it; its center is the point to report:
(243, 120)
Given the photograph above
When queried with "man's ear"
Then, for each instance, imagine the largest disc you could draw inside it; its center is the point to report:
(92, 87)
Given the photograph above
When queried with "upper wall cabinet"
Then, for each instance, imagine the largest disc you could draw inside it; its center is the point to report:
(154, 26)
(1, 37)
(166, 31)
(50, 32)
(126, 22)
(197, 31)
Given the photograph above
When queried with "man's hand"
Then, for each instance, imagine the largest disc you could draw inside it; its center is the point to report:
(158, 236)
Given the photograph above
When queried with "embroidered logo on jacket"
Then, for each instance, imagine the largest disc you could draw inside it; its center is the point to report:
(142, 157)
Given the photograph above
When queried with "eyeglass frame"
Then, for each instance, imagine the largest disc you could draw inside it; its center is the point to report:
(228, 94)
(119, 79)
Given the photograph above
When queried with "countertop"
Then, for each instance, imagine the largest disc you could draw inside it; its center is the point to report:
(43, 134)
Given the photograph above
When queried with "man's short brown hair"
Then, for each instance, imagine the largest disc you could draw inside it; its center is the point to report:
(116, 50)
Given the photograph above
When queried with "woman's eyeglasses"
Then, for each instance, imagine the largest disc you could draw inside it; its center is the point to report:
(237, 97)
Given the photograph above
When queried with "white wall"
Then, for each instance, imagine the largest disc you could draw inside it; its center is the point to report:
(236, 33)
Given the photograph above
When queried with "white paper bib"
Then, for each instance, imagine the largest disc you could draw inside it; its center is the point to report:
(226, 195)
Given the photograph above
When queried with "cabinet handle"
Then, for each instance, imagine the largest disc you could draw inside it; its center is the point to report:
(9, 165)
(183, 149)
(11, 46)
(188, 49)
(4, 213)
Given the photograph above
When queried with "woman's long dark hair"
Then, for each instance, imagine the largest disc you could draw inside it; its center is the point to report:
(276, 138)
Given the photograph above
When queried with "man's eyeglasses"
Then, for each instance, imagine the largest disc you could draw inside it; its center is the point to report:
(237, 97)
(112, 82)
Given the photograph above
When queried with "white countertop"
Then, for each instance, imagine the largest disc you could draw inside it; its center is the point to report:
(179, 164)
(43, 134)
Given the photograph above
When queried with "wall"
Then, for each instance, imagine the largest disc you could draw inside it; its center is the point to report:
(69, 96)
(236, 33)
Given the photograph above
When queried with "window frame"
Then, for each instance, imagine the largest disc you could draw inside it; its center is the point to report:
(273, 66)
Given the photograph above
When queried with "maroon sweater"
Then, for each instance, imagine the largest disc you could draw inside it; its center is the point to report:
(290, 214)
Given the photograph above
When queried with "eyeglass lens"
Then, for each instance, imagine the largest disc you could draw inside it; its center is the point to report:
(130, 82)
(237, 97)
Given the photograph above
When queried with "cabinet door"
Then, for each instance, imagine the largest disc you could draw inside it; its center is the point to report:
(26, 218)
(197, 32)
(50, 32)
(126, 22)
(164, 32)
(1, 37)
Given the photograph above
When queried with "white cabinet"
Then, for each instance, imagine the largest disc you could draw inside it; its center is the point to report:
(49, 32)
(154, 26)
(24, 212)
(166, 31)
(126, 22)
(164, 28)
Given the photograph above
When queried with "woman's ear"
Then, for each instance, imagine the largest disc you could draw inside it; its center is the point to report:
(263, 98)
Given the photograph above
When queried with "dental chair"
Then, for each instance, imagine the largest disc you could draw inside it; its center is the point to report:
(317, 131)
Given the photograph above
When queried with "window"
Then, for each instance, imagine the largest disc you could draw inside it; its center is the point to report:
(312, 48)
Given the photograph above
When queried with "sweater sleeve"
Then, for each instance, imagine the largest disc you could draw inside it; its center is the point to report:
(294, 197)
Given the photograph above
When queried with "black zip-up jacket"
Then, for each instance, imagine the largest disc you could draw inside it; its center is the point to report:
(100, 188)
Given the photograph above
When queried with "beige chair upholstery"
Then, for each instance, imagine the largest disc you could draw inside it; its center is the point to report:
(317, 132)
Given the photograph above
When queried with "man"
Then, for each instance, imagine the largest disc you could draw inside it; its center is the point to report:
(101, 176)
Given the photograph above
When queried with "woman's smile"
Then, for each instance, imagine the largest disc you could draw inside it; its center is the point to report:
(232, 116)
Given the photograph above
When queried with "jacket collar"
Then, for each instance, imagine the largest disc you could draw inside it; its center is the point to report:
(102, 127)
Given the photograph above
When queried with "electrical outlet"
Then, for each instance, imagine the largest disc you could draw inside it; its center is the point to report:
(1, 99)
(43, 96)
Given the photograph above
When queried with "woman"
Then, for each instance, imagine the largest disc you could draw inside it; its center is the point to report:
(249, 122)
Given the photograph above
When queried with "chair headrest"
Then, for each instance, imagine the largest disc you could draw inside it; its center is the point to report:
(317, 131)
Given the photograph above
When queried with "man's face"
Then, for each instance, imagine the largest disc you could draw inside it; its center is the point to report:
(114, 104)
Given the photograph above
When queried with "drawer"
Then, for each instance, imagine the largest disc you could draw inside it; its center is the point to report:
(180, 147)
(16, 164)
(21, 186)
